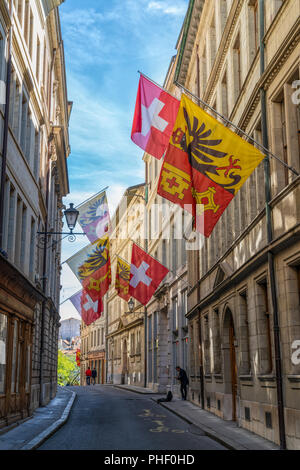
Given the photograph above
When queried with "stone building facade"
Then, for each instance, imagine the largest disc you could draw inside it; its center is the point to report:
(242, 58)
(167, 332)
(125, 330)
(92, 350)
(34, 147)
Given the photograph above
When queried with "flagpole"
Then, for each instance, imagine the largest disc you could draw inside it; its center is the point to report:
(157, 84)
(265, 150)
(70, 297)
(92, 197)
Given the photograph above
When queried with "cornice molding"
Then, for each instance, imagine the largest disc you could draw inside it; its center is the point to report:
(4, 15)
(223, 49)
(189, 34)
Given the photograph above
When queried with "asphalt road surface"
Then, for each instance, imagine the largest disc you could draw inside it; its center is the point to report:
(107, 418)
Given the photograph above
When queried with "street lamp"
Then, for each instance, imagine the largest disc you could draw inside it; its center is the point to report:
(71, 215)
(131, 304)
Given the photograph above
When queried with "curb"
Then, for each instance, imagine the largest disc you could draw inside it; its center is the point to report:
(207, 432)
(210, 434)
(40, 438)
(123, 387)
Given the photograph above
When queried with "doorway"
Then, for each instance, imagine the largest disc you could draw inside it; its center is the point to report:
(124, 363)
(230, 367)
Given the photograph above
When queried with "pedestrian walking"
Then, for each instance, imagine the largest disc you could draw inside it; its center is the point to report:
(184, 381)
(88, 374)
(94, 375)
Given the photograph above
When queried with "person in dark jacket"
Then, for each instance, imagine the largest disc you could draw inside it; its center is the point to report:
(94, 375)
(184, 381)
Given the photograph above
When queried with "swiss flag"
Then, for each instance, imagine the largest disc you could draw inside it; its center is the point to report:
(145, 275)
(154, 118)
(90, 310)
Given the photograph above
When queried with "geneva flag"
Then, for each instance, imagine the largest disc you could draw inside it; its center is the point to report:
(94, 217)
(205, 165)
(122, 278)
(146, 273)
(154, 117)
(91, 266)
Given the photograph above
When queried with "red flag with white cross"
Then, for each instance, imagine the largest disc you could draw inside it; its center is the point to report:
(90, 310)
(146, 273)
(154, 118)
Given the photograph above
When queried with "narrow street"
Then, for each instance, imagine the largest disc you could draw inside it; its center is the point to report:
(107, 418)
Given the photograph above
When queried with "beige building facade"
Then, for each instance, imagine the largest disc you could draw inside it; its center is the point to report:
(242, 58)
(34, 144)
(92, 350)
(125, 330)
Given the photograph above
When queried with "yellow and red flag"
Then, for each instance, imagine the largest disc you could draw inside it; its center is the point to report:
(91, 266)
(122, 278)
(205, 165)
(78, 357)
(95, 271)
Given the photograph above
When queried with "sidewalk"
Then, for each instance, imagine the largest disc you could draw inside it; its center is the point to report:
(226, 433)
(45, 421)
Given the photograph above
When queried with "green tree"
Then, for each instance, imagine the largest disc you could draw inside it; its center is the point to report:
(67, 370)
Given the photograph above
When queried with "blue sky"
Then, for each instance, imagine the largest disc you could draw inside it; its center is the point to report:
(106, 43)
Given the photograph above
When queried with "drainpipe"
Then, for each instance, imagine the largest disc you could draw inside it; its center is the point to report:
(201, 372)
(280, 404)
(5, 131)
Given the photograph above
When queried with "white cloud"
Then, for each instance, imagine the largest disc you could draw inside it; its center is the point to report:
(167, 8)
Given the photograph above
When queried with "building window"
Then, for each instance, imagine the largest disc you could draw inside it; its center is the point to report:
(174, 248)
(31, 34)
(237, 74)
(132, 344)
(138, 342)
(150, 349)
(26, 23)
(264, 327)
(222, 4)
(28, 367)
(203, 71)
(23, 250)
(184, 307)
(14, 357)
(175, 313)
(3, 339)
(216, 340)
(284, 139)
(20, 12)
(245, 365)
(38, 57)
(207, 363)
(24, 123)
(224, 95)
(44, 65)
(212, 43)
(32, 249)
